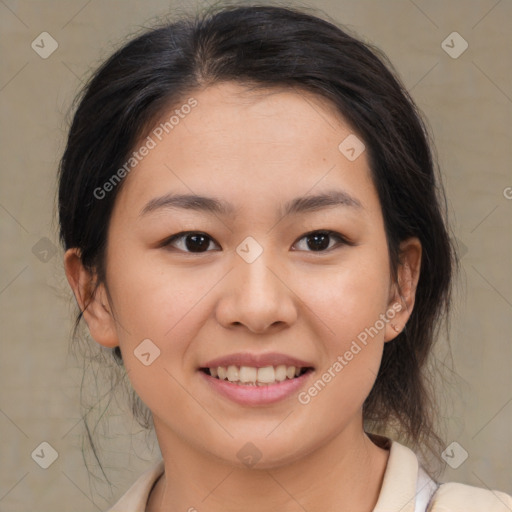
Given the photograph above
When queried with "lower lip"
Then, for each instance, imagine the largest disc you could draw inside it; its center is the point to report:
(257, 395)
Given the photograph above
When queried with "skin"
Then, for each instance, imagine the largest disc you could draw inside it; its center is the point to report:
(257, 150)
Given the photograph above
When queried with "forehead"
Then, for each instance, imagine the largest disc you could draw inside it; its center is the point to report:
(250, 146)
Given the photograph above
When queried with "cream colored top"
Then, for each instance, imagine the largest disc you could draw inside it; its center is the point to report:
(405, 488)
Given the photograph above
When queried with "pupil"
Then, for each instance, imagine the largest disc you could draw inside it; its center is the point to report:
(199, 242)
(321, 241)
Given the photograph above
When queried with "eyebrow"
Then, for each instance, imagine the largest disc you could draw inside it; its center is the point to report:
(303, 204)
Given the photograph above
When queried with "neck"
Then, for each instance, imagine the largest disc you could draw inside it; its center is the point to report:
(344, 474)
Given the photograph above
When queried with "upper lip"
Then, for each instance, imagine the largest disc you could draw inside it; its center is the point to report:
(256, 360)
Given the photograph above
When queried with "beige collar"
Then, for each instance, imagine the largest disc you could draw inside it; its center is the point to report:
(398, 491)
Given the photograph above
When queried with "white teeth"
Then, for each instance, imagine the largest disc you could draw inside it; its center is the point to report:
(248, 375)
(266, 374)
(232, 373)
(280, 373)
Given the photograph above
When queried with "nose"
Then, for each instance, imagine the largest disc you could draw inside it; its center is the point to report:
(257, 295)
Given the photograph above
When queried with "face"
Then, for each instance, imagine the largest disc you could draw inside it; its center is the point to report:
(284, 265)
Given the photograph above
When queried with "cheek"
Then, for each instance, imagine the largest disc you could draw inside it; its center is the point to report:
(347, 303)
(162, 306)
(155, 300)
(349, 297)
(349, 309)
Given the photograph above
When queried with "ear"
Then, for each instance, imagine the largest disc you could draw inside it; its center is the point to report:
(403, 293)
(92, 302)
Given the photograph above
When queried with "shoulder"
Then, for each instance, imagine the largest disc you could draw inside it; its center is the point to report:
(455, 497)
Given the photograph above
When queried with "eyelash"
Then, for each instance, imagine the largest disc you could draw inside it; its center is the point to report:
(341, 239)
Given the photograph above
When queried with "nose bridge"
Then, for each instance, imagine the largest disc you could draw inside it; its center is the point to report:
(257, 276)
(257, 297)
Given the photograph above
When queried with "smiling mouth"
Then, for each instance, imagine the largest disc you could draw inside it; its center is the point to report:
(256, 376)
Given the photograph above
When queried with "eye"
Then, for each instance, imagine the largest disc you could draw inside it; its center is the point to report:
(198, 242)
(190, 241)
(320, 241)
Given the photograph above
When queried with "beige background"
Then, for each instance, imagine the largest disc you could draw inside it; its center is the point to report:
(468, 102)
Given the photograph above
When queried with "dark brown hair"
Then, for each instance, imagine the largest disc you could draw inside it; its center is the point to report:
(267, 46)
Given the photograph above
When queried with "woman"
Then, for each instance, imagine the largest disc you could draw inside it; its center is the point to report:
(253, 226)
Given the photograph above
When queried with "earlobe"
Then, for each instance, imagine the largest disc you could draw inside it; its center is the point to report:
(404, 292)
(92, 301)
